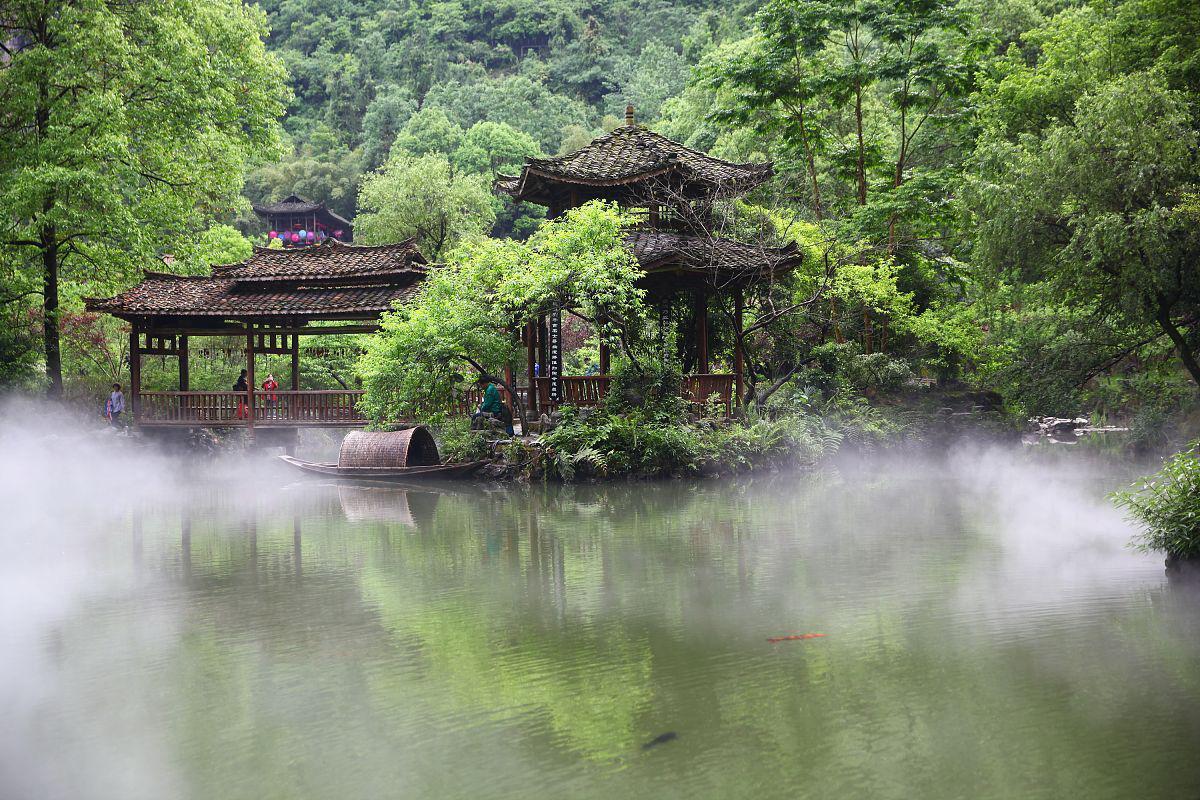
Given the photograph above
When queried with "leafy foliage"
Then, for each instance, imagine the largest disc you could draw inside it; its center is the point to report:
(422, 196)
(126, 122)
(1167, 506)
(466, 312)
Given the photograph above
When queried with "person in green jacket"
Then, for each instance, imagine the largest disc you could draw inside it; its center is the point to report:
(492, 404)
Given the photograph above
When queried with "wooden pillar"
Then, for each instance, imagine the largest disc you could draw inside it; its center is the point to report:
(541, 344)
(701, 311)
(183, 364)
(250, 380)
(530, 359)
(295, 363)
(664, 324)
(604, 357)
(135, 373)
(738, 365)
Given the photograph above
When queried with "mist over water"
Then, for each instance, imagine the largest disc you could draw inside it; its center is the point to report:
(173, 628)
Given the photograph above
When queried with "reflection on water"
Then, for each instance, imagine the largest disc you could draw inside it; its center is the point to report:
(987, 634)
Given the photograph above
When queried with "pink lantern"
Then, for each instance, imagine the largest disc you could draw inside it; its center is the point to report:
(272, 234)
(295, 237)
(337, 234)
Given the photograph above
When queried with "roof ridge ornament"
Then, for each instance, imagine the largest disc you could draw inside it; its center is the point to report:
(629, 115)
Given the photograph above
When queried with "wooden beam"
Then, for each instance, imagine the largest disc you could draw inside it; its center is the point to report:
(333, 330)
(250, 383)
(295, 363)
(135, 373)
(738, 365)
(541, 344)
(183, 364)
(530, 359)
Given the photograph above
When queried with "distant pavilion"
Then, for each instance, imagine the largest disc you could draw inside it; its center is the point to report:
(294, 215)
(270, 300)
(676, 247)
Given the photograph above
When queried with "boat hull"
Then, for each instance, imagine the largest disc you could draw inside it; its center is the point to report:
(435, 472)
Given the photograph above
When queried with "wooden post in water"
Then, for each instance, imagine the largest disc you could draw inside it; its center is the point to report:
(296, 544)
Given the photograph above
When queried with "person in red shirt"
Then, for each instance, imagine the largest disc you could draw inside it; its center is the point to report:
(269, 386)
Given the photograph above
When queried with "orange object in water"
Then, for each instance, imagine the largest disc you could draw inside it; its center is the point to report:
(794, 637)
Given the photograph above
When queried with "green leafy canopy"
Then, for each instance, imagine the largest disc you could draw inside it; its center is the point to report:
(467, 311)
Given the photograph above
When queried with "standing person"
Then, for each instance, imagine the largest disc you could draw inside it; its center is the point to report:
(116, 404)
(269, 386)
(241, 386)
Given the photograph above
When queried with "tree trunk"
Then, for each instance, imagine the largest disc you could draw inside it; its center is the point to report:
(862, 155)
(49, 237)
(812, 167)
(1186, 355)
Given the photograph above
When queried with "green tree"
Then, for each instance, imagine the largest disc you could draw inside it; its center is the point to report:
(467, 311)
(123, 121)
(429, 131)
(423, 196)
(220, 244)
(491, 147)
(1099, 203)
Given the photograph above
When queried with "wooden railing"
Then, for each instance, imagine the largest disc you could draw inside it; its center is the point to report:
(340, 407)
(303, 408)
(312, 407)
(697, 389)
(589, 390)
(577, 390)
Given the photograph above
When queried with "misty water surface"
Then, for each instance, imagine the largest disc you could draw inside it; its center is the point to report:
(235, 632)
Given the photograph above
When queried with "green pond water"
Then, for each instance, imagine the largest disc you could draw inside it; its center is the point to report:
(247, 634)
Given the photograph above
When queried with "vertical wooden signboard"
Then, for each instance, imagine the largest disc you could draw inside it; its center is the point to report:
(554, 368)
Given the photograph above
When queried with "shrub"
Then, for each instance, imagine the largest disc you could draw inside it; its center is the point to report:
(657, 388)
(878, 372)
(1149, 429)
(457, 443)
(640, 442)
(1166, 506)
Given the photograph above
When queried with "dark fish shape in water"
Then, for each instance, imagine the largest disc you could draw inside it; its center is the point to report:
(794, 637)
(662, 738)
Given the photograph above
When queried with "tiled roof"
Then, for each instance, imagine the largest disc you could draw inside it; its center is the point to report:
(659, 248)
(631, 153)
(289, 205)
(161, 294)
(293, 204)
(330, 260)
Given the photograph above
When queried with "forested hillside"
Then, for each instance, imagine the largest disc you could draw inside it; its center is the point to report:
(558, 72)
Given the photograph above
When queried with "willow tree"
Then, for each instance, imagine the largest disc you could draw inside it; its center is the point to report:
(465, 318)
(124, 123)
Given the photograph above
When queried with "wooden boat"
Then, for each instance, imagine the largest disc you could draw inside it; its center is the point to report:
(429, 472)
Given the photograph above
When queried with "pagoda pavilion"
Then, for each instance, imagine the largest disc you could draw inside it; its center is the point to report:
(268, 301)
(297, 222)
(676, 186)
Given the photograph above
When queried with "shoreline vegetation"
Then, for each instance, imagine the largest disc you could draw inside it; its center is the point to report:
(667, 440)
